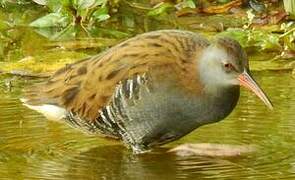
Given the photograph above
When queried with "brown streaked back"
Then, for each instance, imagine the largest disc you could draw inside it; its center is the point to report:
(86, 86)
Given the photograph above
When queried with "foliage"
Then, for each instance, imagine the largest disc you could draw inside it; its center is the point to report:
(265, 40)
(4, 3)
(82, 23)
(68, 18)
(252, 38)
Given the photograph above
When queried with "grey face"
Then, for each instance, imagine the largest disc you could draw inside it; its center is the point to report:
(222, 63)
(234, 60)
(236, 55)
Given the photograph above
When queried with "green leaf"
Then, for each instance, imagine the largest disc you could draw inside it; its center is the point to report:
(190, 4)
(68, 33)
(100, 2)
(264, 40)
(267, 41)
(101, 14)
(83, 4)
(240, 35)
(40, 2)
(4, 25)
(161, 9)
(46, 32)
(51, 20)
(54, 5)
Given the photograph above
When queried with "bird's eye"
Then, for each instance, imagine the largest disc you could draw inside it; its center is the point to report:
(228, 67)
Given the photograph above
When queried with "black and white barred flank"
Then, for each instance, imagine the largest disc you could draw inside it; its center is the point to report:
(113, 116)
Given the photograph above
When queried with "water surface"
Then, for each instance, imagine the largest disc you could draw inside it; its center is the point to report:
(32, 147)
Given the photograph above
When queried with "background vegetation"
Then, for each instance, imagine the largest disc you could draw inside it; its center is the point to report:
(39, 36)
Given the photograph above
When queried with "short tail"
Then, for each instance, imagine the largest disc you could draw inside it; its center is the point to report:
(51, 112)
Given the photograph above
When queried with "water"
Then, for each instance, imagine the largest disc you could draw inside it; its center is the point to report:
(32, 147)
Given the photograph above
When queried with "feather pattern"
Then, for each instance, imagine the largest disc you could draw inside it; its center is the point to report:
(145, 91)
(86, 87)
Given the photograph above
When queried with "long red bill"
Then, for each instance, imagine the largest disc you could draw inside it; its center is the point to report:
(248, 82)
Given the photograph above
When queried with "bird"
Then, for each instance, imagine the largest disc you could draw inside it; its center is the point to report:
(149, 90)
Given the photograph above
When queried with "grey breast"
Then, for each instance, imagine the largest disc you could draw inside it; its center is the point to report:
(148, 113)
(144, 113)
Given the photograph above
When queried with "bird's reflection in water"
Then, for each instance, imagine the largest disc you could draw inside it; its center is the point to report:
(116, 162)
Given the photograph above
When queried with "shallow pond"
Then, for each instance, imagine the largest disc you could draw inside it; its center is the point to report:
(32, 147)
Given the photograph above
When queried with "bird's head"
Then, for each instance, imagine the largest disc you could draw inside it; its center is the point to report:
(224, 64)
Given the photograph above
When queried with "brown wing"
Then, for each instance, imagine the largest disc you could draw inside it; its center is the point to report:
(86, 86)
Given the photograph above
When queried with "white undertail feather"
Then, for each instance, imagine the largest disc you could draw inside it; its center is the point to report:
(51, 112)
